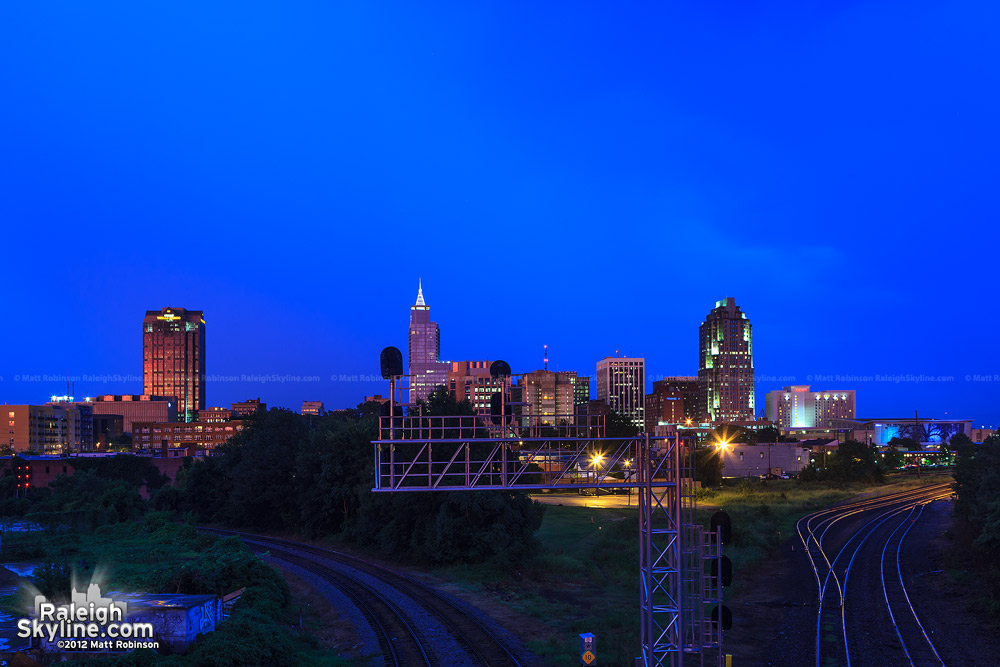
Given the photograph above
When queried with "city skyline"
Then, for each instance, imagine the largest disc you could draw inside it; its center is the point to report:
(595, 188)
(362, 383)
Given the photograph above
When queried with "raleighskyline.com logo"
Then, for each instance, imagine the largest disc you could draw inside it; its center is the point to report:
(89, 622)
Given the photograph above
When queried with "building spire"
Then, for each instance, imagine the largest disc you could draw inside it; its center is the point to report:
(420, 293)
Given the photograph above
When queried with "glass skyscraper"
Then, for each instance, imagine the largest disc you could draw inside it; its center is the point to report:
(725, 364)
(173, 358)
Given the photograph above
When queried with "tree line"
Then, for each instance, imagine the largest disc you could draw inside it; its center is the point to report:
(311, 477)
(977, 503)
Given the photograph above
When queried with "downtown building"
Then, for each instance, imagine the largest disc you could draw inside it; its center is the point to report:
(194, 436)
(552, 398)
(173, 358)
(725, 365)
(314, 408)
(800, 407)
(427, 371)
(58, 427)
(471, 381)
(248, 408)
(674, 400)
(135, 408)
(621, 384)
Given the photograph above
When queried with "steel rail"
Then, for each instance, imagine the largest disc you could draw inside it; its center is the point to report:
(486, 653)
(350, 587)
(899, 572)
(827, 518)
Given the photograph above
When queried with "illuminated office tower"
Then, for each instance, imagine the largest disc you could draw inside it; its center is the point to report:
(427, 371)
(173, 358)
(553, 398)
(621, 384)
(725, 364)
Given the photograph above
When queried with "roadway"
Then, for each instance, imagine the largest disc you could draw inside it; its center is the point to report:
(574, 499)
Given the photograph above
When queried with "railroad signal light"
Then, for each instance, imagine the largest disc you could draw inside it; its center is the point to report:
(726, 566)
(499, 369)
(391, 361)
(721, 612)
(723, 521)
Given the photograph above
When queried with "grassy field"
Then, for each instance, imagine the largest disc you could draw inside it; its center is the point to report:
(586, 577)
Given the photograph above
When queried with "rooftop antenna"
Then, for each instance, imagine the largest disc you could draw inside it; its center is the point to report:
(546, 359)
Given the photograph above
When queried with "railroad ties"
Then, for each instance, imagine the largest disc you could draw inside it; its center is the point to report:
(402, 641)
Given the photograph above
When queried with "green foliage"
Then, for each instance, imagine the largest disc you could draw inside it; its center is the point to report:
(977, 500)
(708, 466)
(906, 444)
(893, 458)
(281, 474)
(53, 579)
(852, 462)
(102, 490)
(160, 554)
(729, 433)
(619, 426)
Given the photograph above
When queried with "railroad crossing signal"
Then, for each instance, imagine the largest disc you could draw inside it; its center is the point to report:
(588, 644)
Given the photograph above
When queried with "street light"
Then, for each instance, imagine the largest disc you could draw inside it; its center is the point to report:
(627, 464)
(596, 459)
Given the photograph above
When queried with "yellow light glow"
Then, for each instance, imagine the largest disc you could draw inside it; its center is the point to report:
(596, 459)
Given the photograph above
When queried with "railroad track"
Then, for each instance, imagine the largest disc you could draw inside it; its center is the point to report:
(481, 644)
(885, 521)
(914, 640)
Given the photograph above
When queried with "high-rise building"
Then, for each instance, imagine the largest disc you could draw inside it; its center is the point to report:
(173, 358)
(725, 364)
(621, 383)
(799, 407)
(54, 428)
(471, 381)
(552, 398)
(674, 400)
(427, 371)
(79, 422)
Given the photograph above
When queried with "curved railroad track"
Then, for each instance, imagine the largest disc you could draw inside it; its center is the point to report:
(478, 641)
(870, 530)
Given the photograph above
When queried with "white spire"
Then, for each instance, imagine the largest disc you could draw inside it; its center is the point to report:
(420, 293)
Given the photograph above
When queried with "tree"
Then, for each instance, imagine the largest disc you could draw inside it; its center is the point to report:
(892, 458)
(619, 426)
(708, 466)
(907, 444)
(728, 433)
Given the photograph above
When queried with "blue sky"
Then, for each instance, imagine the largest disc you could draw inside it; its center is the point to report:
(586, 176)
